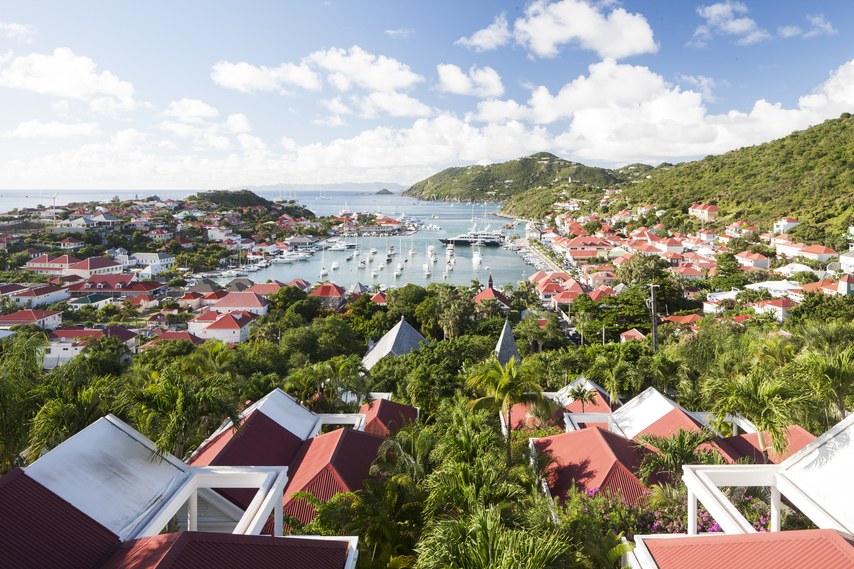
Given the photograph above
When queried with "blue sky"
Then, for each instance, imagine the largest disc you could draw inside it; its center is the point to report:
(220, 94)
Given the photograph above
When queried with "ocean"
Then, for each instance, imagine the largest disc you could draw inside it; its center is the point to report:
(505, 267)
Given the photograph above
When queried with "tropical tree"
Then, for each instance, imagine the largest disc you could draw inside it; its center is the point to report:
(581, 394)
(483, 541)
(614, 374)
(830, 377)
(768, 400)
(502, 387)
(20, 373)
(178, 410)
(73, 397)
(674, 451)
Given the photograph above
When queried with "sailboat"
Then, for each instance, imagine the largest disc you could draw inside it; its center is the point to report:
(476, 256)
(412, 251)
(323, 271)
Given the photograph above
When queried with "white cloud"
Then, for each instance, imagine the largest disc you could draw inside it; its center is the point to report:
(19, 32)
(347, 68)
(248, 78)
(399, 33)
(336, 106)
(53, 129)
(393, 104)
(191, 110)
(705, 85)
(481, 82)
(238, 123)
(69, 76)
(491, 37)
(819, 26)
(728, 19)
(786, 32)
(548, 26)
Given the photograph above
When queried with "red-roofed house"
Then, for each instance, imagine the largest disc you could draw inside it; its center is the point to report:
(93, 266)
(779, 307)
(379, 299)
(40, 295)
(45, 319)
(45, 265)
(490, 293)
(266, 289)
(330, 295)
(686, 320)
(169, 336)
(748, 259)
(704, 212)
(384, 417)
(592, 460)
(228, 327)
(65, 343)
(633, 335)
(242, 302)
(818, 253)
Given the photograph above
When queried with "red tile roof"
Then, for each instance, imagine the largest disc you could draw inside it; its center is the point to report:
(40, 529)
(490, 293)
(93, 263)
(241, 300)
(328, 290)
(192, 550)
(384, 417)
(259, 441)
(601, 404)
(747, 445)
(782, 550)
(119, 332)
(671, 423)
(26, 316)
(231, 321)
(174, 337)
(593, 459)
(328, 464)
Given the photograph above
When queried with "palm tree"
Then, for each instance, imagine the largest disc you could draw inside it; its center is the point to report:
(21, 368)
(177, 411)
(73, 399)
(582, 394)
(482, 541)
(768, 400)
(675, 451)
(830, 376)
(613, 375)
(406, 453)
(503, 387)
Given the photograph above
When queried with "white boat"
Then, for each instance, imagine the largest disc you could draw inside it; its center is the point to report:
(232, 273)
(399, 266)
(375, 273)
(362, 264)
(426, 268)
(323, 271)
(449, 251)
(335, 265)
(476, 256)
(397, 273)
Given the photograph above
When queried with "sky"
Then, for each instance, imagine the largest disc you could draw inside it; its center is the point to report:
(218, 94)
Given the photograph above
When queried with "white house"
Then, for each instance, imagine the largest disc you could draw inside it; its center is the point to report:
(242, 302)
(66, 343)
(44, 319)
(846, 262)
(229, 327)
(156, 263)
(93, 266)
(41, 295)
(785, 225)
(818, 253)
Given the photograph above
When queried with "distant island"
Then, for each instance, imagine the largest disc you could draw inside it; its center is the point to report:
(385, 192)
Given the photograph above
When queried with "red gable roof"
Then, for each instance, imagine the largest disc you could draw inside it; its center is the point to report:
(685, 320)
(326, 465)
(782, 550)
(26, 316)
(328, 290)
(671, 423)
(231, 321)
(119, 332)
(601, 404)
(40, 529)
(174, 337)
(190, 550)
(593, 459)
(384, 417)
(747, 445)
(259, 441)
(490, 293)
(93, 263)
(241, 300)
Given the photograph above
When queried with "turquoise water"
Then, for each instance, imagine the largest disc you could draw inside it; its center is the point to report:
(453, 218)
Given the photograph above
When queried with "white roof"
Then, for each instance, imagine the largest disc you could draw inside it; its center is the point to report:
(110, 472)
(780, 286)
(562, 395)
(820, 474)
(642, 411)
(287, 412)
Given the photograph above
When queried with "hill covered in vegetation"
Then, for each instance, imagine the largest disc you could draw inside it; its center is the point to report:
(231, 198)
(809, 175)
(498, 182)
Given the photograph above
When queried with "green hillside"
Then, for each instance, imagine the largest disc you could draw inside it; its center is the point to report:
(498, 182)
(231, 198)
(808, 175)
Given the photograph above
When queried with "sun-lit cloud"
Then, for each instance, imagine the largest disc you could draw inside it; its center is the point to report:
(356, 67)
(248, 78)
(727, 19)
(479, 81)
(23, 33)
(53, 129)
(547, 26)
(491, 37)
(191, 110)
(705, 85)
(69, 76)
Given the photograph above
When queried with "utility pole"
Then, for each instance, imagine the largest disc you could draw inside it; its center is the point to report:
(652, 288)
(603, 334)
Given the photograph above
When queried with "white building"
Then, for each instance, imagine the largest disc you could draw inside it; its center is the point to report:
(155, 263)
(785, 225)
